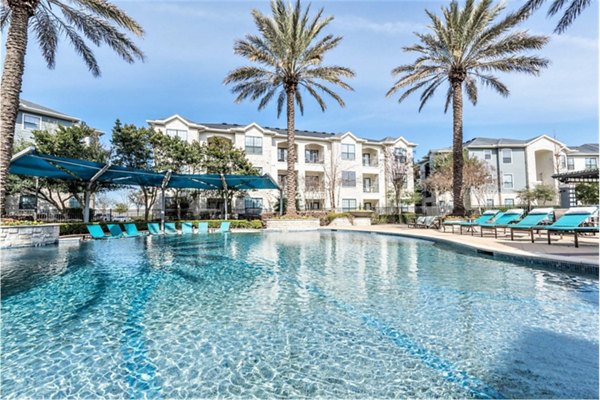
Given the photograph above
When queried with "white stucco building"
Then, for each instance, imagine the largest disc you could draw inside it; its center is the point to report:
(350, 169)
(516, 165)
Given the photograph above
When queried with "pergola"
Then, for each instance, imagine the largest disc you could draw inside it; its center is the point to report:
(31, 163)
(587, 175)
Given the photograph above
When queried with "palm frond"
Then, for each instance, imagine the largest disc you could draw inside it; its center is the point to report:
(46, 33)
(571, 13)
(4, 16)
(113, 13)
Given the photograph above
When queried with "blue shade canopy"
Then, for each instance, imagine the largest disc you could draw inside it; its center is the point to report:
(70, 169)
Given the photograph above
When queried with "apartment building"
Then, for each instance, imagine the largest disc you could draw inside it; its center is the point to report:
(334, 170)
(32, 117)
(515, 165)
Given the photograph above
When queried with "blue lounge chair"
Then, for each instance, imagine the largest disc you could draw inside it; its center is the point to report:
(131, 230)
(535, 217)
(224, 227)
(170, 228)
(154, 228)
(502, 221)
(570, 223)
(187, 227)
(483, 218)
(202, 227)
(115, 230)
(96, 232)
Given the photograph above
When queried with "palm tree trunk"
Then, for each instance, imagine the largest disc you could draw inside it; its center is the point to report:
(457, 149)
(12, 78)
(291, 158)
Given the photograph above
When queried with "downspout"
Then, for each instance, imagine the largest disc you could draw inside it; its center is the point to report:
(498, 173)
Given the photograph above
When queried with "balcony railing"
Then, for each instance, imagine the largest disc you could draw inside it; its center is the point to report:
(313, 160)
(370, 163)
(371, 188)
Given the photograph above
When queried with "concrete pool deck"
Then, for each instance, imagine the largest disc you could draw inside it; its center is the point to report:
(562, 250)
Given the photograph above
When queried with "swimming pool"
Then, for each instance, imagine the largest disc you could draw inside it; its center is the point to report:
(326, 314)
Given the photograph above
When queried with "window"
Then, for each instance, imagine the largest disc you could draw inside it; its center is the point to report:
(282, 154)
(367, 186)
(312, 156)
(487, 154)
(254, 145)
(507, 156)
(253, 203)
(73, 203)
(507, 181)
(509, 202)
(31, 121)
(400, 154)
(368, 205)
(314, 205)
(489, 202)
(27, 202)
(563, 161)
(348, 204)
(281, 181)
(591, 163)
(348, 179)
(180, 133)
(570, 163)
(312, 183)
(366, 159)
(348, 152)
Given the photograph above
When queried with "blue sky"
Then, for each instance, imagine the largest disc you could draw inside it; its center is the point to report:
(189, 48)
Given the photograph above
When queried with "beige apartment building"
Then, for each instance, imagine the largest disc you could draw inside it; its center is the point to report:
(339, 171)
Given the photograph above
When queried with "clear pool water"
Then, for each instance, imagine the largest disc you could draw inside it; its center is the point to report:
(271, 315)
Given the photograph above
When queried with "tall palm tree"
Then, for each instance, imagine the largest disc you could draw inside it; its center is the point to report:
(465, 48)
(97, 20)
(571, 13)
(290, 58)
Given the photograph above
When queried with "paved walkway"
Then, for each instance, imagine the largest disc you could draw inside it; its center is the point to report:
(561, 249)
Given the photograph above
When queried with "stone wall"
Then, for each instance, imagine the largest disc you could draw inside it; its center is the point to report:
(293, 224)
(340, 222)
(28, 235)
(362, 221)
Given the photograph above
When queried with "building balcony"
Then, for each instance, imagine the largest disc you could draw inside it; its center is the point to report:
(313, 160)
(371, 188)
(370, 163)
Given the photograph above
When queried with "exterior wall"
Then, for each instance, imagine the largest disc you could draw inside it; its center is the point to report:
(47, 123)
(533, 163)
(329, 157)
(28, 235)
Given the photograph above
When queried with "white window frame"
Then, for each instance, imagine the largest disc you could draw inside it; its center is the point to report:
(489, 203)
(511, 156)
(509, 202)
(570, 164)
(512, 181)
(487, 153)
(39, 123)
(593, 165)
(348, 207)
(178, 133)
(256, 149)
(348, 180)
(347, 155)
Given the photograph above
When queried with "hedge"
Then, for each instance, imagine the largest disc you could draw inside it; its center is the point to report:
(78, 228)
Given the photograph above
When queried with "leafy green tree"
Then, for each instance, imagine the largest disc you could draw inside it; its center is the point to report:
(133, 147)
(121, 208)
(97, 20)
(572, 11)
(77, 141)
(544, 193)
(220, 157)
(587, 193)
(526, 196)
(290, 55)
(463, 48)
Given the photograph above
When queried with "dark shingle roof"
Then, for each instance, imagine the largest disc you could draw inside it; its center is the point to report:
(588, 148)
(30, 106)
(481, 141)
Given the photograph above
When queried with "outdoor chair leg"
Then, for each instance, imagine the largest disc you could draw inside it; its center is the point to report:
(576, 240)
(512, 234)
(549, 241)
(532, 237)
(481, 232)
(496, 233)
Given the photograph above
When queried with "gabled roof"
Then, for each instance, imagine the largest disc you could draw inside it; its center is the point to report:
(493, 142)
(587, 148)
(28, 106)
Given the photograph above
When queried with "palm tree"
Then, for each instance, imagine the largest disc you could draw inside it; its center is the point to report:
(571, 13)
(464, 49)
(290, 58)
(98, 20)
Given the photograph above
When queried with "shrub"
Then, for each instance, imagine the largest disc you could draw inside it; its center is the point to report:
(333, 215)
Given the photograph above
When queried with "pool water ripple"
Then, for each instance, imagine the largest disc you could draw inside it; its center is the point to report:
(319, 314)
